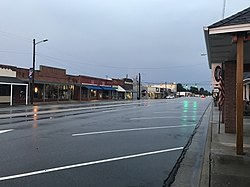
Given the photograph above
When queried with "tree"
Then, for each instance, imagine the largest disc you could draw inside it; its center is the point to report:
(180, 88)
(202, 91)
(194, 90)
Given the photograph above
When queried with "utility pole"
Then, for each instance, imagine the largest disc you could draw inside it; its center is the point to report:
(139, 88)
(33, 73)
(224, 8)
(33, 69)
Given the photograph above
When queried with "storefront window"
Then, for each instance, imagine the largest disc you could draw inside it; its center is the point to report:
(4, 90)
(93, 93)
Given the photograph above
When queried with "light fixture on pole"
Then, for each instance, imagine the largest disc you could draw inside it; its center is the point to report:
(33, 69)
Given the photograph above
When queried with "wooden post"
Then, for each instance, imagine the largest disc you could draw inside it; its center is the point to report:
(44, 92)
(239, 95)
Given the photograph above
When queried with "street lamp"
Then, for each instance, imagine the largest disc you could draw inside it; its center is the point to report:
(33, 68)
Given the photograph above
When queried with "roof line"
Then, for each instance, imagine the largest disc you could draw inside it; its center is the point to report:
(230, 18)
(230, 29)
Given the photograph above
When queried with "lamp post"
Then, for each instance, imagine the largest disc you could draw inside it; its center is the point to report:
(33, 69)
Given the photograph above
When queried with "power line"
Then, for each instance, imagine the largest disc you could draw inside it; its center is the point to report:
(15, 36)
(15, 52)
(118, 67)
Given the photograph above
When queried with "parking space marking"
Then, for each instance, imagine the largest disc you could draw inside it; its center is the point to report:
(87, 164)
(128, 130)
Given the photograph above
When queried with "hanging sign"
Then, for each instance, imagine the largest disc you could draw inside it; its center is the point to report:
(30, 73)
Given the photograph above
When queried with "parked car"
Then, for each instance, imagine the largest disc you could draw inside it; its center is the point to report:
(170, 97)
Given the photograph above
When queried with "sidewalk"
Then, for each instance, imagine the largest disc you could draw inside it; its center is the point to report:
(212, 161)
(227, 168)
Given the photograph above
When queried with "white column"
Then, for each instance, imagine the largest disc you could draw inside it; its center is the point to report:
(247, 92)
(11, 94)
(26, 96)
(244, 92)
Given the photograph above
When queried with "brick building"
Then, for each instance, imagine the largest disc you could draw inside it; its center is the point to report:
(53, 84)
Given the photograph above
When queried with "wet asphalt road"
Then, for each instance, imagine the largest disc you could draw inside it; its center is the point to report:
(130, 144)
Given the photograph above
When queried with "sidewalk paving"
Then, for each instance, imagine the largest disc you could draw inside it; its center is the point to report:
(227, 168)
(220, 166)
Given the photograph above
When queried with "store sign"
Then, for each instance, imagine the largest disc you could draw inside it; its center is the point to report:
(216, 90)
(131, 83)
(30, 73)
(216, 71)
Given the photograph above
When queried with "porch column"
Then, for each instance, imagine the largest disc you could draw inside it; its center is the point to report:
(239, 96)
(80, 92)
(57, 93)
(44, 92)
(244, 92)
(11, 94)
(247, 92)
(26, 95)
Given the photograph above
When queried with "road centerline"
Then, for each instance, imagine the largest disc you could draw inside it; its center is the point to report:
(88, 163)
(128, 130)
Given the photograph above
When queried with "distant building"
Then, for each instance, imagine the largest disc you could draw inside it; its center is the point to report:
(158, 91)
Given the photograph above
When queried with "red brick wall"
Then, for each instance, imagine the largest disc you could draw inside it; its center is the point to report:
(97, 81)
(22, 73)
(230, 97)
(51, 74)
(57, 75)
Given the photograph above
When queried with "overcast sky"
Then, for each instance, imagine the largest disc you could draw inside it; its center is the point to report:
(161, 39)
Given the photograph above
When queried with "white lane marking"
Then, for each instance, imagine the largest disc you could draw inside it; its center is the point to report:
(161, 117)
(127, 130)
(8, 130)
(87, 164)
(107, 111)
(176, 112)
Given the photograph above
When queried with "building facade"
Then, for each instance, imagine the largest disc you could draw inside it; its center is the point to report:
(54, 84)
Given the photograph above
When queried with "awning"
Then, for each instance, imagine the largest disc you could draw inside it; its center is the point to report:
(92, 87)
(107, 88)
(119, 89)
(11, 80)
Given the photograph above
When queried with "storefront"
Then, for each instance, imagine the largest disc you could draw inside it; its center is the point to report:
(95, 92)
(13, 91)
(44, 92)
(120, 93)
